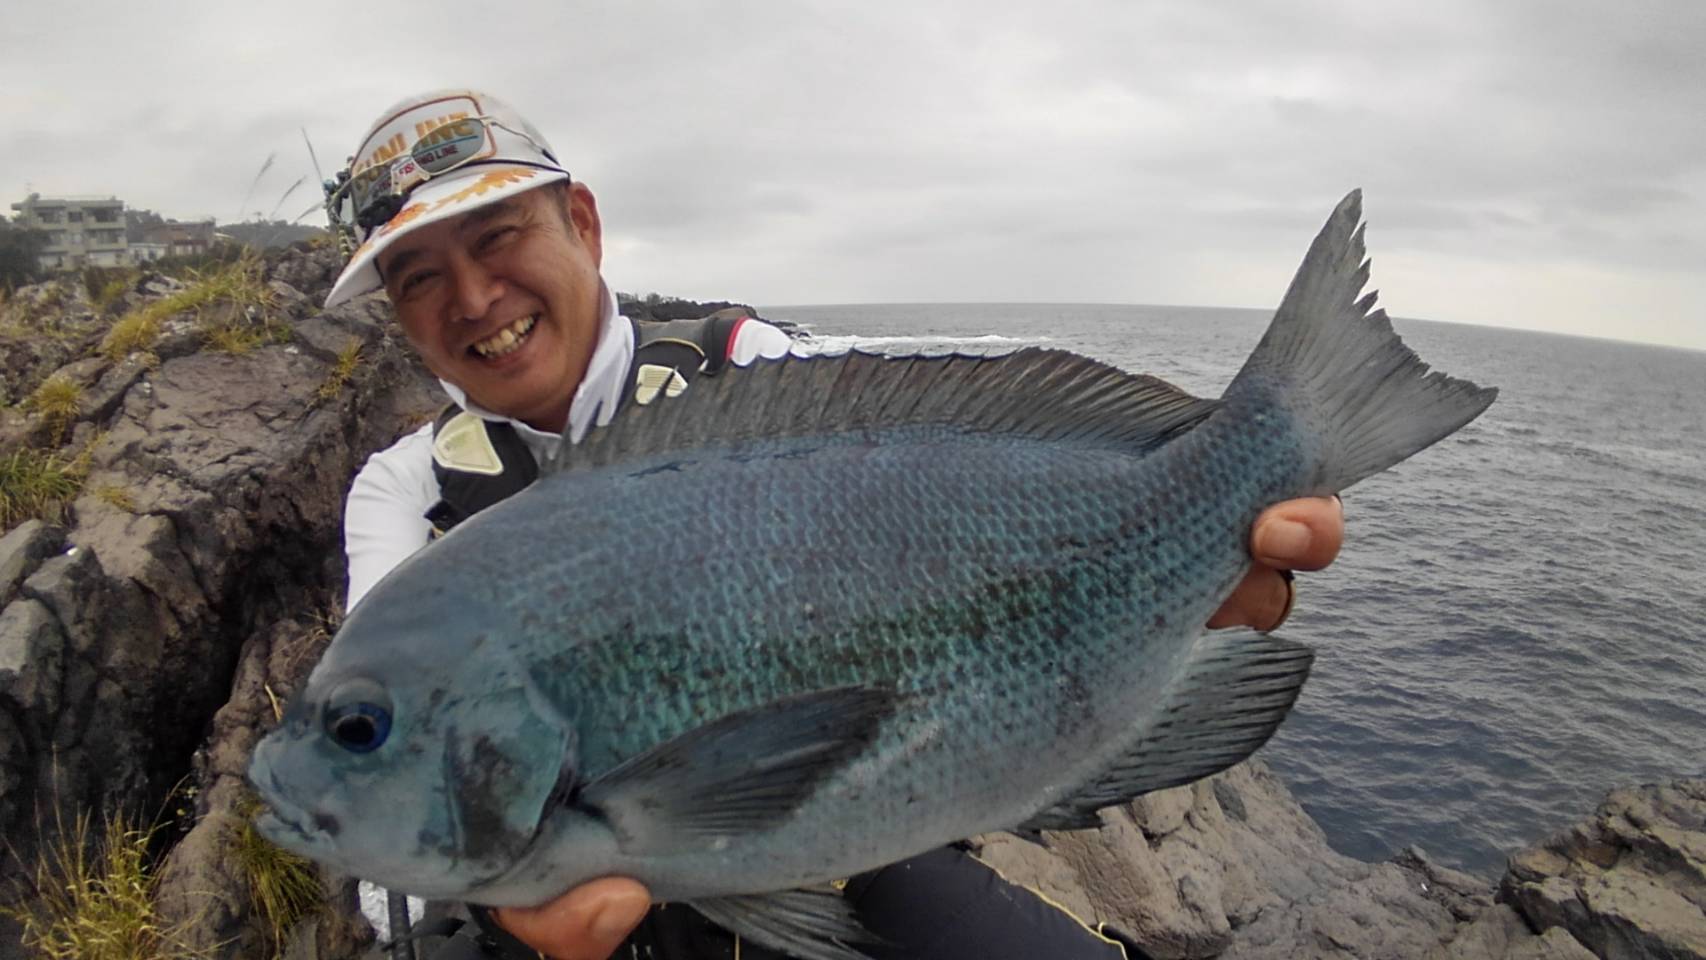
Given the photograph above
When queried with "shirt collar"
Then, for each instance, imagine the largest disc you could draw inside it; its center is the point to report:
(600, 390)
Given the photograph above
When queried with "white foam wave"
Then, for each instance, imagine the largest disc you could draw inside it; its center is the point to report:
(985, 343)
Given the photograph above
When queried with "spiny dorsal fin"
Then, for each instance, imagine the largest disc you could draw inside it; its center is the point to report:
(1045, 394)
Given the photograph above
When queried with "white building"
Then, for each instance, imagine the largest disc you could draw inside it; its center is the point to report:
(81, 231)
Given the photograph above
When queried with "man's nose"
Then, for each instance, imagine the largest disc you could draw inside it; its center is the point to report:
(477, 288)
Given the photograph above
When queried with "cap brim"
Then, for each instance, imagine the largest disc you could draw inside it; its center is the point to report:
(469, 188)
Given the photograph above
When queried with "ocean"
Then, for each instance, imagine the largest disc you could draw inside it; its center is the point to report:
(1516, 622)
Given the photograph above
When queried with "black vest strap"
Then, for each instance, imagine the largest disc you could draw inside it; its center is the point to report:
(666, 357)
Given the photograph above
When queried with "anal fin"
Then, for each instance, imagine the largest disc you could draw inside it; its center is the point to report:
(1229, 700)
(807, 924)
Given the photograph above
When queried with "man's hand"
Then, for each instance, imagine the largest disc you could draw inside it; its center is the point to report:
(1294, 535)
(591, 921)
(587, 923)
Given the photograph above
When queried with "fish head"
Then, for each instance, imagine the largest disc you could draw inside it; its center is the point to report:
(427, 775)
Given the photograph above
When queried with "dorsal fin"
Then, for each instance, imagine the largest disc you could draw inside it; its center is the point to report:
(1045, 394)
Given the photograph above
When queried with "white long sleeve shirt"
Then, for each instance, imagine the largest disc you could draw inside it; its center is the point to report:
(385, 513)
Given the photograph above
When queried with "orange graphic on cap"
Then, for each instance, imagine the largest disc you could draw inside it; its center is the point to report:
(491, 180)
(408, 213)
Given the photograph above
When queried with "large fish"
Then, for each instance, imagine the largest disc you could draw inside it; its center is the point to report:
(827, 613)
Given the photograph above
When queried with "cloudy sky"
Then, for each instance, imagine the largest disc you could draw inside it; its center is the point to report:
(1527, 163)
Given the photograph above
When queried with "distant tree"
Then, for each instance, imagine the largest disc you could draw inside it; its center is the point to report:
(19, 249)
(264, 234)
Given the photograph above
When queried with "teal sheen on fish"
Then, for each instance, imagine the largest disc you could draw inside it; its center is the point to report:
(824, 613)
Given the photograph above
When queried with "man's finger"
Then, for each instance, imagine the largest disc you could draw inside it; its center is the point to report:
(1261, 600)
(1302, 534)
(587, 923)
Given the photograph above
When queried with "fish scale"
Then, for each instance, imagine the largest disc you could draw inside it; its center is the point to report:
(847, 618)
(822, 614)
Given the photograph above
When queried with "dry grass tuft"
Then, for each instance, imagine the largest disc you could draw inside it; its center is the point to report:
(283, 887)
(39, 483)
(135, 332)
(116, 496)
(105, 285)
(231, 301)
(95, 897)
(59, 400)
(349, 358)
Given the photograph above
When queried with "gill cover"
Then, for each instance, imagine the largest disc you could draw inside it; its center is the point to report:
(503, 759)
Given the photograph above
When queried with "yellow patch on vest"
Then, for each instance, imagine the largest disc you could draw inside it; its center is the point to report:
(651, 378)
(463, 445)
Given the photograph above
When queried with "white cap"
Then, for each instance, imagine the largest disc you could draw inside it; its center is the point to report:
(488, 151)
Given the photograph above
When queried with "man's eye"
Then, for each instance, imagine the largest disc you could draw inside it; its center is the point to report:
(496, 236)
(415, 281)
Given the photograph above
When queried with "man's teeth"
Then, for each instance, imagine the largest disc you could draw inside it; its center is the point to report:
(507, 339)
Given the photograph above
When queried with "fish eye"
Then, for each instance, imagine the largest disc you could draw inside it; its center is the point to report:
(358, 716)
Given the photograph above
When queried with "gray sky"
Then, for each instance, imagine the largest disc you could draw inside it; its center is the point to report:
(1527, 163)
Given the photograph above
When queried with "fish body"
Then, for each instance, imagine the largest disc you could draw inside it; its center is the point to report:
(833, 612)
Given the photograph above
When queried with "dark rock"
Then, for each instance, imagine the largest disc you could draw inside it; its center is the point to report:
(203, 894)
(1499, 934)
(117, 654)
(103, 397)
(22, 550)
(1631, 882)
(309, 269)
(43, 327)
(1187, 879)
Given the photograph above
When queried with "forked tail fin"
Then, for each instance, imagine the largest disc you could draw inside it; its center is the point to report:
(1332, 361)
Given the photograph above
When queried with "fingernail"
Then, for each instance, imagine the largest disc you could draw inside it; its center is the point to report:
(619, 915)
(1281, 542)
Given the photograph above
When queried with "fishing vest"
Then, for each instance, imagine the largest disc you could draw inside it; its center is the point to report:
(479, 462)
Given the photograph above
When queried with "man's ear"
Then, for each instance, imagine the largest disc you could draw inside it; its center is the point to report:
(581, 209)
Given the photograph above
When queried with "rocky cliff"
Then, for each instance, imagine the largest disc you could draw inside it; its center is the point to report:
(185, 571)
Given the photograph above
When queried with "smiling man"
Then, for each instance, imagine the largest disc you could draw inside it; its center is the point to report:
(490, 254)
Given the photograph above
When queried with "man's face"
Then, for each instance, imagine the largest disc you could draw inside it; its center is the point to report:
(504, 301)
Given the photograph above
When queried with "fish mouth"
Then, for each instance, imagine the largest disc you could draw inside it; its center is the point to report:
(507, 340)
(281, 820)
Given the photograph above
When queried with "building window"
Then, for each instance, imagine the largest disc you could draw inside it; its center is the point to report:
(74, 216)
(47, 216)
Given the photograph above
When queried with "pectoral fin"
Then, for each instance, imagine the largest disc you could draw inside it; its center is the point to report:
(1237, 688)
(742, 773)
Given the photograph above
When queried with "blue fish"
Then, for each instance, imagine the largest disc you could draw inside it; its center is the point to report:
(822, 614)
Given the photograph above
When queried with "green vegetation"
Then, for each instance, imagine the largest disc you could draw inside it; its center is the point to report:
(116, 496)
(271, 234)
(283, 887)
(135, 332)
(237, 312)
(39, 483)
(349, 358)
(230, 300)
(18, 250)
(106, 285)
(94, 897)
(191, 265)
(59, 400)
